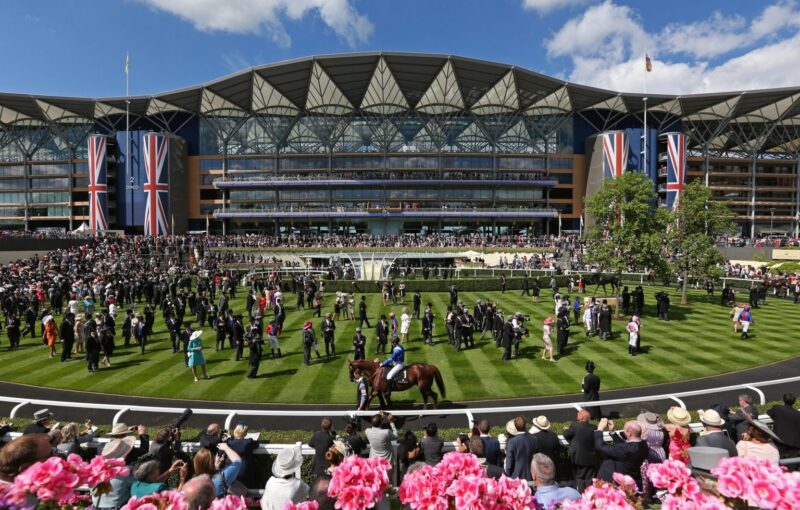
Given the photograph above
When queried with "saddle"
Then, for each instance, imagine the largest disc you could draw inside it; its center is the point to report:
(399, 378)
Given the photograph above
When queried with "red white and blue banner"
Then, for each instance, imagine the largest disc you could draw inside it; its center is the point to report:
(676, 168)
(615, 154)
(155, 148)
(98, 183)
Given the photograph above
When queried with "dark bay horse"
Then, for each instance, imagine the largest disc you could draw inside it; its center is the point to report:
(603, 279)
(420, 375)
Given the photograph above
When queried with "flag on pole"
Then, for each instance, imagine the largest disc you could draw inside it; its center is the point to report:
(648, 64)
(127, 63)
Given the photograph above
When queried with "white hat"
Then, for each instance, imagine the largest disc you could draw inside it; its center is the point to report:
(711, 418)
(512, 429)
(287, 462)
(541, 422)
(196, 334)
(118, 448)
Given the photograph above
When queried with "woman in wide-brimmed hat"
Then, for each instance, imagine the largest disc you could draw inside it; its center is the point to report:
(758, 441)
(195, 351)
(653, 435)
(547, 330)
(283, 486)
(678, 430)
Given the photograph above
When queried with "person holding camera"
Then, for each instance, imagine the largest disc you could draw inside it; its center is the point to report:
(207, 463)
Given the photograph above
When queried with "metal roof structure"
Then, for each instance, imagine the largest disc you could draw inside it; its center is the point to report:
(437, 87)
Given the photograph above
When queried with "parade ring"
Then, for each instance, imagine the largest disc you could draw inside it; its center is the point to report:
(696, 342)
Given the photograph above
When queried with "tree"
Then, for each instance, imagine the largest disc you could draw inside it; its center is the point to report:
(627, 232)
(695, 223)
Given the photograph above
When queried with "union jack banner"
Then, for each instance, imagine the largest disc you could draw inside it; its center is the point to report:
(155, 148)
(676, 168)
(615, 154)
(98, 184)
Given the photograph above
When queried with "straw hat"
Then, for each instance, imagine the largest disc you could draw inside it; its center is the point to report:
(711, 418)
(196, 334)
(650, 421)
(287, 462)
(549, 320)
(541, 422)
(118, 448)
(512, 429)
(679, 416)
(120, 430)
(42, 414)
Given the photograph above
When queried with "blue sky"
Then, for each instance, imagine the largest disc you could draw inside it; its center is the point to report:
(77, 47)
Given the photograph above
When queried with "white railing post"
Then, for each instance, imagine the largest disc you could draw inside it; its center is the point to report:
(298, 473)
(470, 419)
(17, 408)
(679, 401)
(761, 397)
(118, 416)
(229, 421)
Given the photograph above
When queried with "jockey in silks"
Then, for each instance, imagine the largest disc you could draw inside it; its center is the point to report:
(396, 361)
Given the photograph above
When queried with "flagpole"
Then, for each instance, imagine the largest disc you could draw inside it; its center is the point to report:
(646, 70)
(128, 133)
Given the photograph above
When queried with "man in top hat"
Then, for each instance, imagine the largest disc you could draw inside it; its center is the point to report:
(359, 345)
(42, 422)
(591, 389)
(309, 342)
(547, 441)
(328, 330)
(712, 434)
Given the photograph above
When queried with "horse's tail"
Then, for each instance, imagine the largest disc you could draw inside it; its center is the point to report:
(439, 381)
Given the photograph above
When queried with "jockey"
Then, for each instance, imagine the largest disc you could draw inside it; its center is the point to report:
(396, 360)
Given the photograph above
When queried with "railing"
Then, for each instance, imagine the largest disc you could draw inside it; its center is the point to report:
(383, 211)
(469, 413)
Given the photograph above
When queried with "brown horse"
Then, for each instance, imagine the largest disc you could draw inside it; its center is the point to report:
(418, 374)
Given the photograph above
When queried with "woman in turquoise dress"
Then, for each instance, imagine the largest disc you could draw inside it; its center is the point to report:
(196, 358)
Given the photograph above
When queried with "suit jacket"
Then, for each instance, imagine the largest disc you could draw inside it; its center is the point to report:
(519, 452)
(380, 443)
(786, 424)
(591, 388)
(621, 457)
(67, 331)
(718, 440)
(738, 421)
(547, 443)
(581, 444)
(491, 450)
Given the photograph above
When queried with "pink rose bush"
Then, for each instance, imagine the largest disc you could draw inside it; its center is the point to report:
(459, 481)
(55, 479)
(229, 502)
(602, 496)
(758, 482)
(683, 491)
(166, 500)
(306, 505)
(358, 483)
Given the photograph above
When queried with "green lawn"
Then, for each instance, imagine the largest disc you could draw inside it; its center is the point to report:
(697, 342)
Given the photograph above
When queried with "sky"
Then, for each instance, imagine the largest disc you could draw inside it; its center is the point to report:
(78, 47)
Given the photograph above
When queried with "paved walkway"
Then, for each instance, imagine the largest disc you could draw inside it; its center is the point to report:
(778, 370)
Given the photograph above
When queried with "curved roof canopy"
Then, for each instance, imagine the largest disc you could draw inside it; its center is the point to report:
(436, 86)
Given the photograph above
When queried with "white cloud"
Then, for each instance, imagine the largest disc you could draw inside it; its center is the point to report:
(606, 30)
(546, 6)
(266, 16)
(610, 54)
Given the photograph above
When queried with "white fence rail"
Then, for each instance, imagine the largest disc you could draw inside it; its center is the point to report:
(467, 413)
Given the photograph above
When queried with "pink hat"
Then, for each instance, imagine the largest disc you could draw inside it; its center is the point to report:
(308, 325)
(548, 320)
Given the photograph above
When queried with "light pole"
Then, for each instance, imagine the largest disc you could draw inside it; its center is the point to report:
(771, 218)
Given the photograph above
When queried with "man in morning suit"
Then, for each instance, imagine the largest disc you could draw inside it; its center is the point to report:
(582, 454)
(786, 425)
(591, 389)
(520, 448)
(625, 456)
(738, 420)
(713, 435)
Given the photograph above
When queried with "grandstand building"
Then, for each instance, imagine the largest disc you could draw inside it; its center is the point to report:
(385, 143)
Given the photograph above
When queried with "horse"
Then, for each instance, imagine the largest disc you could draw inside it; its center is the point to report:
(603, 279)
(418, 374)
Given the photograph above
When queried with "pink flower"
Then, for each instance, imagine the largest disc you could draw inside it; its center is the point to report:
(764, 494)
(306, 505)
(229, 502)
(359, 483)
(166, 500)
(625, 481)
(51, 480)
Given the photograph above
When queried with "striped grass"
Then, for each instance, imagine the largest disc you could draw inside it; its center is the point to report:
(698, 341)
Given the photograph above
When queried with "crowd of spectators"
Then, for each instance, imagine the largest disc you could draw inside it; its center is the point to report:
(225, 462)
